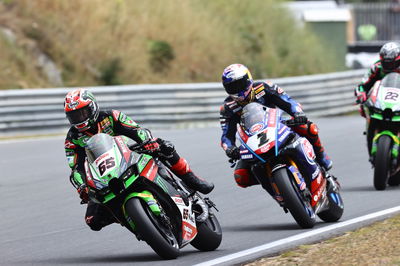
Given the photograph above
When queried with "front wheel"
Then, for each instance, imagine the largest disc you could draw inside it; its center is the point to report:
(152, 230)
(299, 208)
(382, 162)
(209, 234)
(335, 204)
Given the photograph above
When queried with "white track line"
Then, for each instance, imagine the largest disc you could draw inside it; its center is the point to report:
(301, 236)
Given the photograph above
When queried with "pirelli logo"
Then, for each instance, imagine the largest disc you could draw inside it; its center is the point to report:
(106, 122)
(259, 89)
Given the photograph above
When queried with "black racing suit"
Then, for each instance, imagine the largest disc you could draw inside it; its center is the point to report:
(270, 95)
(375, 73)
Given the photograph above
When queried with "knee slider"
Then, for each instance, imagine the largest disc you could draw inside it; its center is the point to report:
(242, 177)
(93, 224)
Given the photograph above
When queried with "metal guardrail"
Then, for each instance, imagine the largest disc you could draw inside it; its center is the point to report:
(169, 105)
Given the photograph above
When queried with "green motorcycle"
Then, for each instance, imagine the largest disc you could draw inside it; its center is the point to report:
(382, 110)
(143, 196)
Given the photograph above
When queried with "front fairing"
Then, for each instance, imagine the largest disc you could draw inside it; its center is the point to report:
(384, 99)
(259, 131)
(108, 158)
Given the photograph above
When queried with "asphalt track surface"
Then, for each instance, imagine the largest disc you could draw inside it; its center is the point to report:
(41, 221)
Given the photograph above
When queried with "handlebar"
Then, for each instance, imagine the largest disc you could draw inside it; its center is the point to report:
(291, 122)
(138, 147)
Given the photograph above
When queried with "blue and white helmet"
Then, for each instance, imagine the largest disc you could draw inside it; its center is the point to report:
(237, 81)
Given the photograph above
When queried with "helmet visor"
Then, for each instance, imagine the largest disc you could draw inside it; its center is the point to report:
(80, 115)
(391, 64)
(236, 86)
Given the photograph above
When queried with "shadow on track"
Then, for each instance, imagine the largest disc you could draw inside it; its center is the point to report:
(260, 227)
(367, 188)
(107, 259)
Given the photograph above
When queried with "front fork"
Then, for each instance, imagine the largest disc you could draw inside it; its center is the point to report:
(147, 197)
(394, 150)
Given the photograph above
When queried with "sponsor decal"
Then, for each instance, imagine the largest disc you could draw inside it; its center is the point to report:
(284, 135)
(279, 90)
(257, 127)
(267, 147)
(282, 129)
(247, 156)
(317, 196)
(259, 89)
(105, 122)
(272, 118)
(297, 142)
(150, 170)
(101, 157)
(144, 161)
(244, 151)
(188, 231)
(259, 95)
(316, 173)
(308, 150)
(178, 200)
(302, 185)
(298, 109)
(319, 179)
(269, 83)
(126, 152)
(237, 109)
(242, 135)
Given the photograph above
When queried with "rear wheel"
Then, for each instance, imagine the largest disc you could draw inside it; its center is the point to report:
(209, 234)
(382, 162)
(152, 229)
(300, 208)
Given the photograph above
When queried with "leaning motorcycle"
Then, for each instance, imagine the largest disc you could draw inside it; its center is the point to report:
(284, 164)
(382, 110)
(143, 196)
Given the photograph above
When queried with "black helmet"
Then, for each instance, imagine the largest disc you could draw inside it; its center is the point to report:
(390, 56)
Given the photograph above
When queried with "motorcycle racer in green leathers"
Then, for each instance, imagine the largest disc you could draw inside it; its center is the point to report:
(86, 120)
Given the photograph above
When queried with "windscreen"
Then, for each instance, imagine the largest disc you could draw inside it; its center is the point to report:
(98, 145)
(391, 80)
(253, 114)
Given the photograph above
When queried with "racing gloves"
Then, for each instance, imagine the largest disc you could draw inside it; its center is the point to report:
(300, 118)
(361, 96)
(233, 152)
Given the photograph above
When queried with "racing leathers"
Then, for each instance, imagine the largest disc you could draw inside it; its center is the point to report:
(117, 123)
(375, 73)
(270, 95)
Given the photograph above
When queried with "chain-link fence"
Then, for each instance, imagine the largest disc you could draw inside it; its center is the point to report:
(376, 21)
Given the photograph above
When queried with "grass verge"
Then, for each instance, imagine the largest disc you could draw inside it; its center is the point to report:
(377, 244)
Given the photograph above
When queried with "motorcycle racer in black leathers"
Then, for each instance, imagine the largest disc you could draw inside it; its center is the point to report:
(389, 61)
(87, 119)
(241, 89)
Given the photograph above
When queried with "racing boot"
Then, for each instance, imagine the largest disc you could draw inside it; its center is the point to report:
(310, 131)
(183, 171)
(324, 160)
